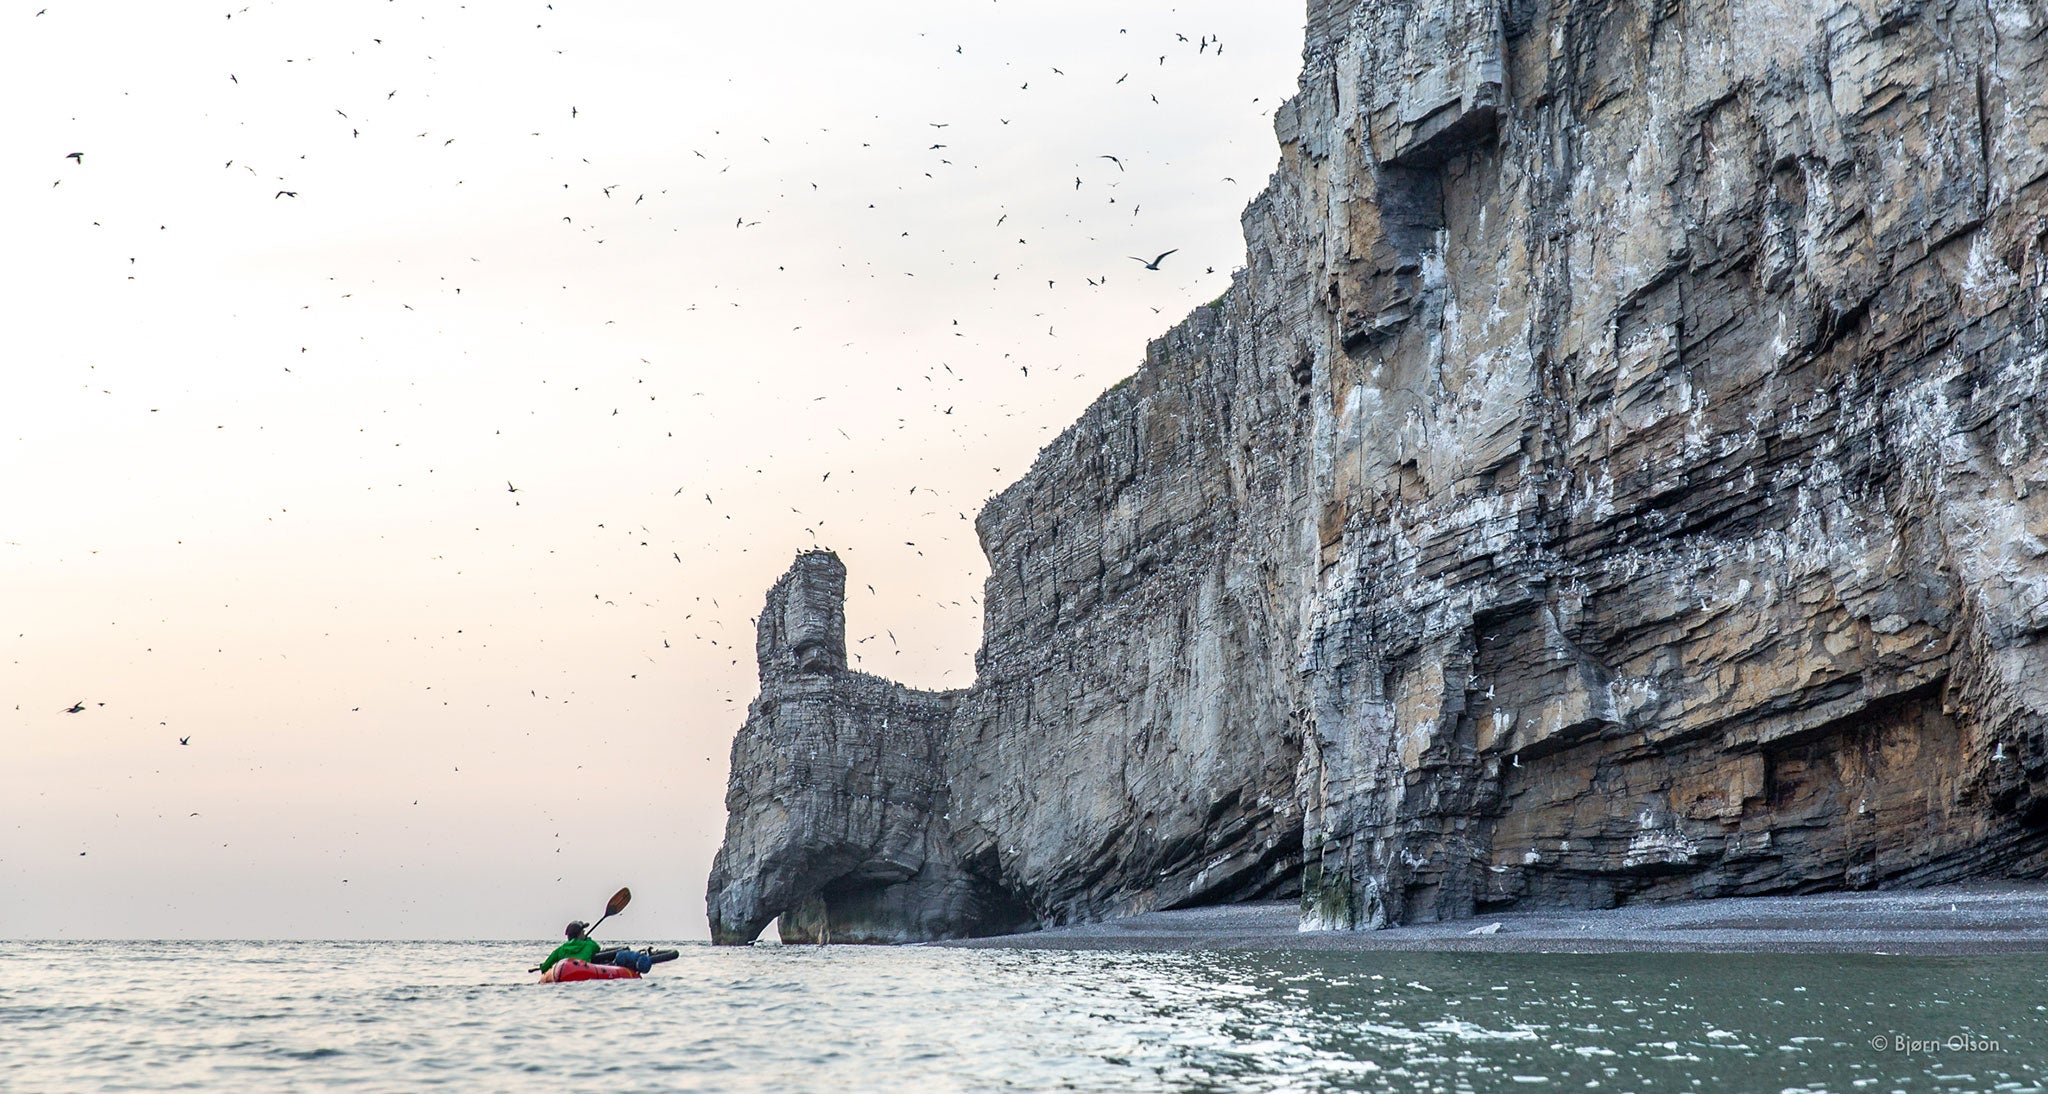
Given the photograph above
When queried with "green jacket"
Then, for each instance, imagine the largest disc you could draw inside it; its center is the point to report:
(576, 949)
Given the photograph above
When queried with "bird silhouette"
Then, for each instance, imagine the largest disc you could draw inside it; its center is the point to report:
(76, 708)
(1119, 163)
(186, 741)
(1154, 264)
(79, 156)
(284, 194)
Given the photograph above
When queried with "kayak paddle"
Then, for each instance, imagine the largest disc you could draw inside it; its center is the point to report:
(616, 905)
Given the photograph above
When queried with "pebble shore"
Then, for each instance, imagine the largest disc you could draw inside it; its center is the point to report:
(1966, 919)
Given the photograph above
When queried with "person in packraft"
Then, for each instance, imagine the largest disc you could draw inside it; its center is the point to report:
(579, 947)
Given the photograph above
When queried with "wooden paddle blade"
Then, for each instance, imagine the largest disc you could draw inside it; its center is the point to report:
(618, 902)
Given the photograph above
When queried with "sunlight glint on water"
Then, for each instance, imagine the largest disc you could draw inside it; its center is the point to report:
(403, 1016)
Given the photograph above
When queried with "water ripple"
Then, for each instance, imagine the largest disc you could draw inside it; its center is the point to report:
(365, 1017)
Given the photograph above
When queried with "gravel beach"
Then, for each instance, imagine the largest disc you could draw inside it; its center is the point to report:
(1962, 919)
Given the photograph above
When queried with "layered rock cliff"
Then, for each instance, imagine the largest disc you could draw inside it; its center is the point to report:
(1617, 474)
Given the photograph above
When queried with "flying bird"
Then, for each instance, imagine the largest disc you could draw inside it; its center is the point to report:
(76, 708)
(284, 194)
(79, 156)
(186, 741)
(1119, 163)
(1154, 264)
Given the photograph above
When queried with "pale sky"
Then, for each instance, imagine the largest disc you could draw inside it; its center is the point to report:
(255, 449)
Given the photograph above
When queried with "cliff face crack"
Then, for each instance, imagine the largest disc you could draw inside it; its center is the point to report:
(1618, 474)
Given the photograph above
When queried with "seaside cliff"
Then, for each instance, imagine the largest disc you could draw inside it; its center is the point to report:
(1620, 472)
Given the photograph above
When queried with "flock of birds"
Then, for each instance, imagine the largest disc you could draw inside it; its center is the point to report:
(946, 388)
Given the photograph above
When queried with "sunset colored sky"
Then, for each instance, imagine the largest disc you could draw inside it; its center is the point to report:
(409, 403)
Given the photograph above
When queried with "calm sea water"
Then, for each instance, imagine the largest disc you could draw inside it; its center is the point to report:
(409, 1016)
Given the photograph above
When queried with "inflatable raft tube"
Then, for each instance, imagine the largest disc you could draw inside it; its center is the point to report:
(566, 971)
